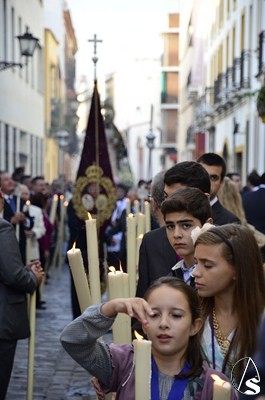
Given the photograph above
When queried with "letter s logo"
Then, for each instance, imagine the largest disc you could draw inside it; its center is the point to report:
(251, 383)
(245, 375)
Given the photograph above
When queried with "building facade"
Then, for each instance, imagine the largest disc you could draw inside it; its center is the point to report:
(223, 112)
(21, 89)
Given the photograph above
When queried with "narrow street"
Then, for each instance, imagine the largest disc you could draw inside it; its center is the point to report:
(56, 375)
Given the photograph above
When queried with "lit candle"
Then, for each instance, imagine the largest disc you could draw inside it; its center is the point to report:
(142, 357)
(79, 276)
(28, 239)
(136, 206)
(128, 205)
(118, 284)
(61, 203)
(131, 253)
(138, 244)
(53, 208)
(221, 388)
(140, 224)
(17, 211)
(93, 260)
(147, 214)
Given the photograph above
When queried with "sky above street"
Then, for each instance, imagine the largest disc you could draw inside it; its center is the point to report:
(129, 29)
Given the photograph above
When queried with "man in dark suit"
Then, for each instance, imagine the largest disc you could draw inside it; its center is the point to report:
(10, 212)
(157, 256)
(253, 203)
(216, 168)
(15, 282)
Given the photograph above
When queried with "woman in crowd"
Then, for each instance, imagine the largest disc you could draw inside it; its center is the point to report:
(230, 281)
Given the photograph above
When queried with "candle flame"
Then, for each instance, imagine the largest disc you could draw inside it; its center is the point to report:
(28, 203)
(112, 269)
(74, 244)
(130, 215)
(89, 216)
(55, 197)
(217, 379)
(138, 336)
(136, 202)
(65, 203)
(140, 236)
(121, 267)
(61, 197)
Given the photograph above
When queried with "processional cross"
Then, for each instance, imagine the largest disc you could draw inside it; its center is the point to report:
(95, 58)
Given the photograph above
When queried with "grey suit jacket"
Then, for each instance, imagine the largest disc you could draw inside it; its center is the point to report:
(15, 282)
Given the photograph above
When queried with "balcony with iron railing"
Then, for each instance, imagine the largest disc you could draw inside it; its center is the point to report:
(261, 54)
(233, 83)
(167, 98)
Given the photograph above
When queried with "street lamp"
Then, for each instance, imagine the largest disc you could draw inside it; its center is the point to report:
(150, 138)
(27, 45)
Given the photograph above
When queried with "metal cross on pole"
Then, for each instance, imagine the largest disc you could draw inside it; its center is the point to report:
(95, 58)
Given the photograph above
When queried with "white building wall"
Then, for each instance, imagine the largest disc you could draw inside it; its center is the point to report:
(21, 100)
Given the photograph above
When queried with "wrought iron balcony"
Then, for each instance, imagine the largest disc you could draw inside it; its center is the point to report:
(261, 53)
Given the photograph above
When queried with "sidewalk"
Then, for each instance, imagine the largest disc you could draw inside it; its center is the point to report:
(56, 375)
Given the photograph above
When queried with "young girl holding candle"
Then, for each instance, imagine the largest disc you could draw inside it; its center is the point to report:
(230, 281)
(170, 315)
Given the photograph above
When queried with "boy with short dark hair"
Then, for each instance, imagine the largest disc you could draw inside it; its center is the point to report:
(183, 211)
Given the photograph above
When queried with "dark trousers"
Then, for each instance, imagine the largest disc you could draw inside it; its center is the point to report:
(7, 355)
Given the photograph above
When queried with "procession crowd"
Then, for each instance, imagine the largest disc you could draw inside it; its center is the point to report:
(200, 292)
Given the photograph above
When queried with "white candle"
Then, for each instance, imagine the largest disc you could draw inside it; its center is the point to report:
(140, 224)
(80, 279)
(221, 388)
(93, 260)
(17, 211)
(136, 206)
(31, 349)
(118, 284)
(61, 203)
(28, 239)
(128, 205)
(142, 356)
(131, 253)
(138, 245)
(147, 214)
(53, 208)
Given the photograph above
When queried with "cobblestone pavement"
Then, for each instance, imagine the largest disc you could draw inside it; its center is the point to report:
(56, 375)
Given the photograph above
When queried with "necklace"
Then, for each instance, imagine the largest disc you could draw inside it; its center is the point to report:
(224, 343)
(222, 340)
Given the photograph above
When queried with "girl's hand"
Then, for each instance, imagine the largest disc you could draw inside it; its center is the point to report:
(100, 393)
(134, 306)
